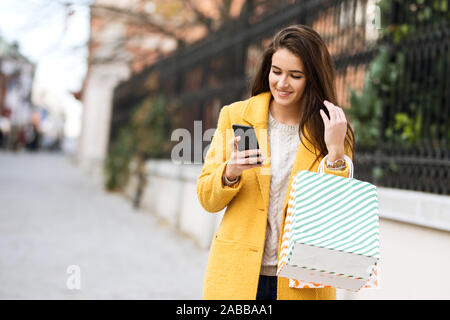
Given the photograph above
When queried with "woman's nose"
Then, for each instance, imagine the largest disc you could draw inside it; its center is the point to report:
(283, 83)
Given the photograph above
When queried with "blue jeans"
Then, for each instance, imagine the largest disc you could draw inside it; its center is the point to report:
(267, 288)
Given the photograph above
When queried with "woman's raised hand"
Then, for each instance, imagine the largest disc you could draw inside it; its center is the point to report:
(335, 129)
(242, 160)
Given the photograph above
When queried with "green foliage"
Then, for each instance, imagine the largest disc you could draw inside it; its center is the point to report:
(117, 161)
(405, 128)
(151, 123)
(384, 72)
(366, 108)
(414, 13)
(147, 135)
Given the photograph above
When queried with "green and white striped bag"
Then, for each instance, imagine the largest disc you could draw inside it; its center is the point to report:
(331, 232)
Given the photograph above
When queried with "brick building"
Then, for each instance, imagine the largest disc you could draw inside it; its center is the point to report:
(124, 39)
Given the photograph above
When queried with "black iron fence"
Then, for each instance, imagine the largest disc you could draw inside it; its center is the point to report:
(218, 70)
(414, 148)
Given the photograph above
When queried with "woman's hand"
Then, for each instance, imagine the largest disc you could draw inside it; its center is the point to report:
(242, 160)
(335, 130)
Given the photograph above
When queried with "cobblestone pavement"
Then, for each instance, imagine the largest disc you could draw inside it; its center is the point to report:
(52, 216)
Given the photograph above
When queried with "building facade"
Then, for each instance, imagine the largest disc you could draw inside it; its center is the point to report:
(16, 108)
(118, 47)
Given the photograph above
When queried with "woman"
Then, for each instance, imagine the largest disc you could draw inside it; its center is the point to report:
(297, 124)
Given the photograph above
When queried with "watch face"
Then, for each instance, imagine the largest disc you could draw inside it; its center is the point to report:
(335, 164)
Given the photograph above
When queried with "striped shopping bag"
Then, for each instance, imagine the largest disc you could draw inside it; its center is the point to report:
(331, 233)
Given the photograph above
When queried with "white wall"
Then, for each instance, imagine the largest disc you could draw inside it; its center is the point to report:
(171, 195)
(414, 259)
(415, 262)
(97, 107)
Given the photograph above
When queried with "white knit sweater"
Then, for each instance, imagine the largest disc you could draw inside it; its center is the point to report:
(284, 142)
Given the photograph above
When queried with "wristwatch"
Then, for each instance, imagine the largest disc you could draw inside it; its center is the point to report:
(336, 165)
(229, 183)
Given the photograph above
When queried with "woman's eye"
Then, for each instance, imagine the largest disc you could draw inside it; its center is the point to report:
(279, 72)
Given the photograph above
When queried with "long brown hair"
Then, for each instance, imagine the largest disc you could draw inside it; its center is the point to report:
(319, 70)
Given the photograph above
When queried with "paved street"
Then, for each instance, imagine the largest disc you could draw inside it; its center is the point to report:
(52, 216)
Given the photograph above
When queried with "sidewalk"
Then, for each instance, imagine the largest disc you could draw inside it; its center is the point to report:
(52, 217)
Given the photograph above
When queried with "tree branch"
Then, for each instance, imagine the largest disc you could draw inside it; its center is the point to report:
(201, 17)
(139, 18)
(224, 8)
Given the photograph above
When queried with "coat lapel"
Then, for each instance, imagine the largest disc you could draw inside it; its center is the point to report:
(256, 114)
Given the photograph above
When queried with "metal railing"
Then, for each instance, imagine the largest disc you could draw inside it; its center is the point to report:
(218, 70)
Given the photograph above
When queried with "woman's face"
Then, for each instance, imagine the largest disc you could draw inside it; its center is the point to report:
(286, 78)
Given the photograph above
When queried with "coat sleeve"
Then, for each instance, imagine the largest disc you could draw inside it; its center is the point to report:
(212, 193)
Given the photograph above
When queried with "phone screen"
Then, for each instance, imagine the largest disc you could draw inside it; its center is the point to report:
(248, 137)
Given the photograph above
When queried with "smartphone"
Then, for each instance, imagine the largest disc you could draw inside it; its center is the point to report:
(248, 138)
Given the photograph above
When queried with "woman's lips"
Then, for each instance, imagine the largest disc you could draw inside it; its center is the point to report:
(283, 94)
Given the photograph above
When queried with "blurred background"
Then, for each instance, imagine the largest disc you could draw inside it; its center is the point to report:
(91, 92)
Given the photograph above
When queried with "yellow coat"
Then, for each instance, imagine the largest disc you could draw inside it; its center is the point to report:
(237, 248)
